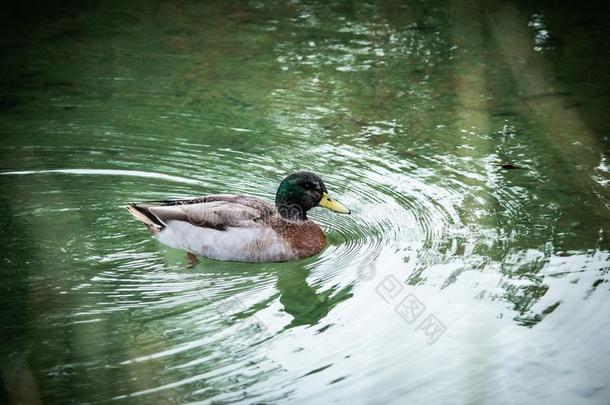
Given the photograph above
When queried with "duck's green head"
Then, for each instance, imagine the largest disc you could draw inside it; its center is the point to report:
(300, 192)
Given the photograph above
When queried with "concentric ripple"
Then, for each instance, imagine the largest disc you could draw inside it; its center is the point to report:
(216, 327)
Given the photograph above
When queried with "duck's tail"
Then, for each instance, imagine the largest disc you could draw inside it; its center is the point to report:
(142, 213)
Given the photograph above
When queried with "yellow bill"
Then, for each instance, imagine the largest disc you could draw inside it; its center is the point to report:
(333, 205)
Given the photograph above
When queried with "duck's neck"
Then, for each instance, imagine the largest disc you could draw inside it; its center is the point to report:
(291, 212)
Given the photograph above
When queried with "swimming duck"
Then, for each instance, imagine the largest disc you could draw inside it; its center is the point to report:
(244, 228)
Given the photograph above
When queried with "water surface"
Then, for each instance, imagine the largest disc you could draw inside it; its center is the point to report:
(469, 139)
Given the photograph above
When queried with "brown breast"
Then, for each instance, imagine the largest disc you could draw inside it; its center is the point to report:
(305, 238)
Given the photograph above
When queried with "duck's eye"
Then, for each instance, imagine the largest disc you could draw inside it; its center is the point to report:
(309, 186)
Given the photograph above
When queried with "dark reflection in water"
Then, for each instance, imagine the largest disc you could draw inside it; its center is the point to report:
(469, 139)
(302, 302)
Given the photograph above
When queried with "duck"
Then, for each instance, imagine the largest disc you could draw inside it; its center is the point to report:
(244, 228)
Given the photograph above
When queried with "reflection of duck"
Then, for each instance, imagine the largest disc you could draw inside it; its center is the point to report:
(301, 300)
(244, 228)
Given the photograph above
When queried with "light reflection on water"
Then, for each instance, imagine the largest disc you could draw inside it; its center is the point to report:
(407, 113)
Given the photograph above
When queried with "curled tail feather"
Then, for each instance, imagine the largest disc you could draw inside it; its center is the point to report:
(144, 215)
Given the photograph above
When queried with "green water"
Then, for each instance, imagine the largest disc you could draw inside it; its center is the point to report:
(407, 110)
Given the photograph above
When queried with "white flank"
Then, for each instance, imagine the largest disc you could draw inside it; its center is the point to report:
(257, 244)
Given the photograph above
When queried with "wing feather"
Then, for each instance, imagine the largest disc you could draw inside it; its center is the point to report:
(218, 215)
(218, 211)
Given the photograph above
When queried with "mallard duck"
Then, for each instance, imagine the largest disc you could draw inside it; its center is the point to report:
(244, 228)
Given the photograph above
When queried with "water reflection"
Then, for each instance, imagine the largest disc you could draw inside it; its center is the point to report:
(302, 302)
